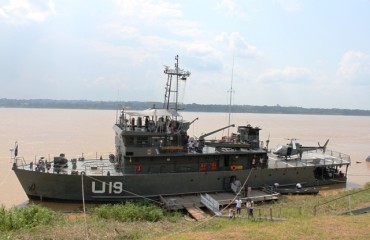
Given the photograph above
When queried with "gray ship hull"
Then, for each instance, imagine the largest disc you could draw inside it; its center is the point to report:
(64, 187)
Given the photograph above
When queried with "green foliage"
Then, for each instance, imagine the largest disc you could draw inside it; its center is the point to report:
(173, 217)
(129, 211)
(25, 217)
(345, 201)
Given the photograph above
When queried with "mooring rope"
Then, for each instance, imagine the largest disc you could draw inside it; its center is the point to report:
(84, 206)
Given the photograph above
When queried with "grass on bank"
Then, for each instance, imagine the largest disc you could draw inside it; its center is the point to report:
(25, 217)
(146, 221)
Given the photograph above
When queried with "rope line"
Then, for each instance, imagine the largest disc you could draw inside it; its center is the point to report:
(366, 189)
(359, 175)
(84, 206)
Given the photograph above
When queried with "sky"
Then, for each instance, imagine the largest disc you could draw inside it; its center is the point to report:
(305, 53)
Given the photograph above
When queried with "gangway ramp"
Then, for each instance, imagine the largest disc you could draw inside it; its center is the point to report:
(210, 203)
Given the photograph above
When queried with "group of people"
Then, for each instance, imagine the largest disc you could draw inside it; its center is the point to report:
(41, 165)
(249, 204)
(259, 163)
(193, 145)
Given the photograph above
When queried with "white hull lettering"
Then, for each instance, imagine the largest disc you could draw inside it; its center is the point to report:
(118, 187)
(110, 187)
(94, 190)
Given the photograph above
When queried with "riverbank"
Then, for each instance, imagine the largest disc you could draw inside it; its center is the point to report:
(303, 217)
(193, 107)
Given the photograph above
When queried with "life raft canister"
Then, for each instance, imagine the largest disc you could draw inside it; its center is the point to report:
(138, 168)
(214, 166)
(202, 166)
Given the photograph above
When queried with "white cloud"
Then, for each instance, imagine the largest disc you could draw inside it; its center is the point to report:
(168, 30)
(148, 10)
(242, 47)
(289, 5)
(354, 67)
(285, 75)
(20, 12)
(161, 15)
(120, 30)
(184, 28)
(239, 46)
(202, 49)
(229, 7)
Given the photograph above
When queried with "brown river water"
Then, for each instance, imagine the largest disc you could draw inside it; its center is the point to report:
(44, 132)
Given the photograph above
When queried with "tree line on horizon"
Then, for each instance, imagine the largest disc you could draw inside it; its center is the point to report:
(193, 107)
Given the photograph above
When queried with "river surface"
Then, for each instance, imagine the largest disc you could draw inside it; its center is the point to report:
(44, 132)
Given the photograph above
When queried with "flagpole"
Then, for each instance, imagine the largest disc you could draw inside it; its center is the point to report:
(11, 154)
(16, 149)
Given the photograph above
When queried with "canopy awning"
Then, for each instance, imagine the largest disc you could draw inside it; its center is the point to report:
(155, 112)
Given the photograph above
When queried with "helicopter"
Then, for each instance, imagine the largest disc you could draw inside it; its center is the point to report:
(294, 148)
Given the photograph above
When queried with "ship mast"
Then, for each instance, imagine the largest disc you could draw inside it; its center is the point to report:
(231, 93)
(180, 75)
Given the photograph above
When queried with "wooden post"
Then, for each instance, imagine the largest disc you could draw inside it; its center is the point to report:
(280, 212)
(314, 211)
(300, 210)
(271, 213)
(259, 213)
(349, 205)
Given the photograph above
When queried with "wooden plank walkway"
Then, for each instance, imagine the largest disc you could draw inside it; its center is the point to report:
(196, 213)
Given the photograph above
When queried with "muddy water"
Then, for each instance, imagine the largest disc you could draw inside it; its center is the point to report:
(40, 132)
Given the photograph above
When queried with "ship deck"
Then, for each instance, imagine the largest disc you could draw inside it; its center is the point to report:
(310, 158)
(96, 167)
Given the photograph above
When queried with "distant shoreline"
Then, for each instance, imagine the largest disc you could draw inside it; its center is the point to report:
(194, 107)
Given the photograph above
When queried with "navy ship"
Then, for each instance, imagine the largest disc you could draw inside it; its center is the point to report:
(155, 157)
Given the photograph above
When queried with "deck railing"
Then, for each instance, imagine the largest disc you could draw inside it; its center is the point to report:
(329, 158)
